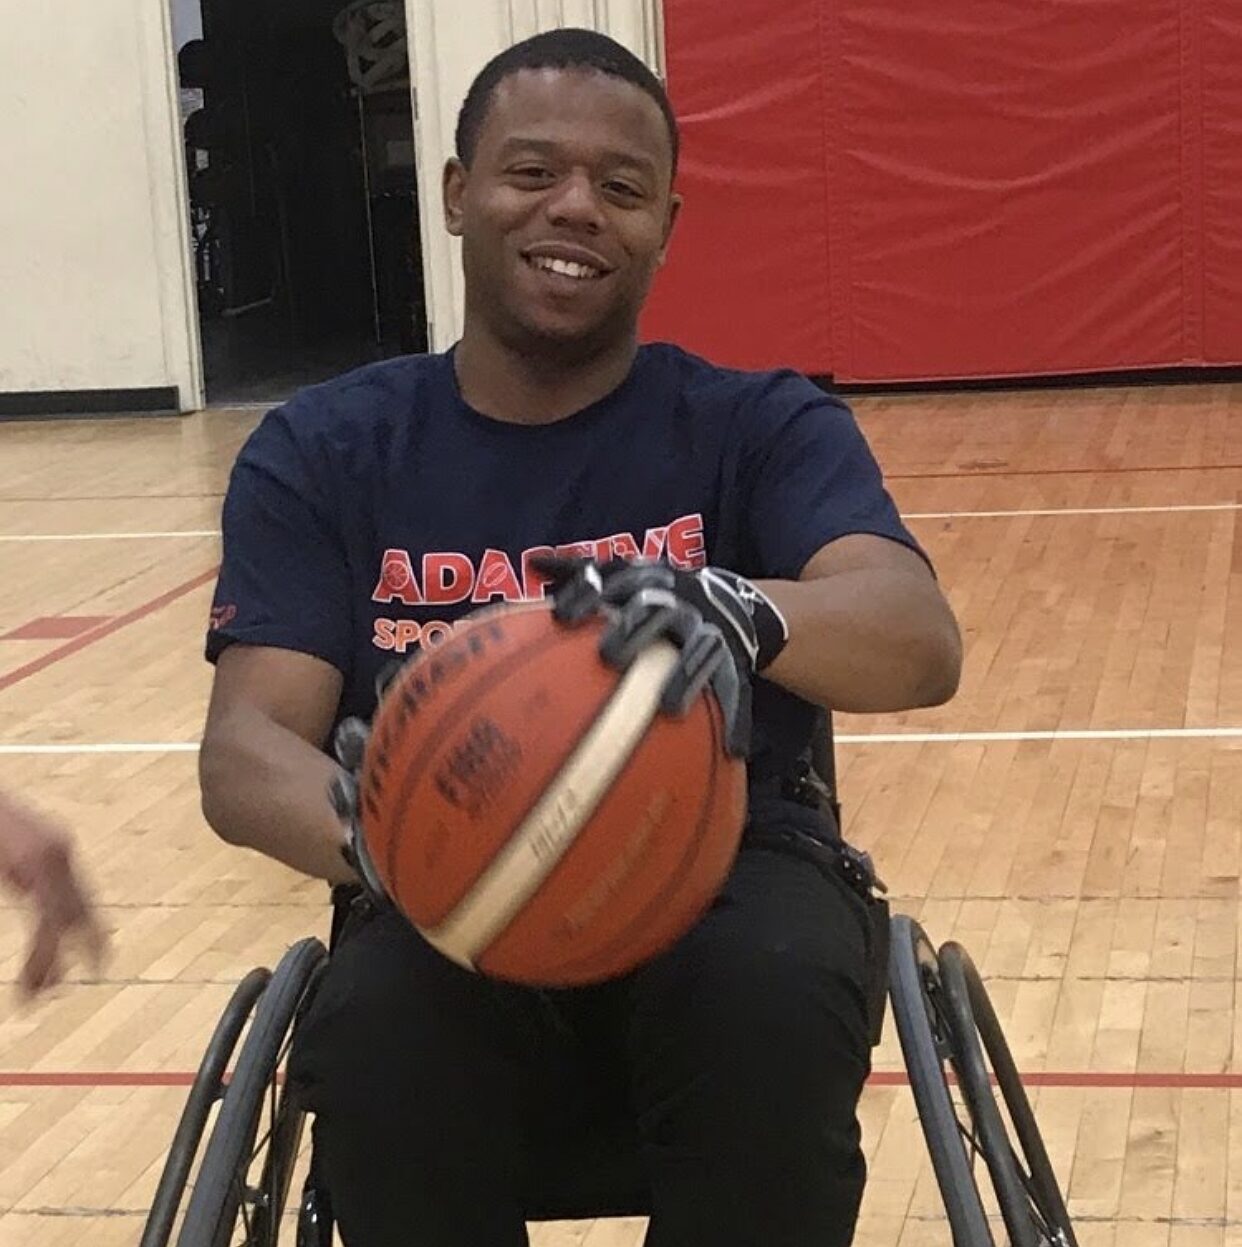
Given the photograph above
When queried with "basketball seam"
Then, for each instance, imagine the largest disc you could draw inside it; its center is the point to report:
(489, 893)
(674, 881)
(414, 774)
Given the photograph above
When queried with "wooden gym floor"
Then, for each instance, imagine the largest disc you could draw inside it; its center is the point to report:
(1074, 817)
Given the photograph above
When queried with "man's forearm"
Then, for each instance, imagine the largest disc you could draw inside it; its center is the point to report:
(265, 788)
(868, 640)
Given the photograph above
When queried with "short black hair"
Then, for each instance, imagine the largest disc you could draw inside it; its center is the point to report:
(565, 48)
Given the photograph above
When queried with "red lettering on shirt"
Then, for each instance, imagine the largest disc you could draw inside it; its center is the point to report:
(449, 578)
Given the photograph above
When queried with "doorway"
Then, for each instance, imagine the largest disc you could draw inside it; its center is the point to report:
(299, 144)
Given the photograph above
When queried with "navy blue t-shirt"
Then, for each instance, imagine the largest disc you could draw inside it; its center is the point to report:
(368, 514)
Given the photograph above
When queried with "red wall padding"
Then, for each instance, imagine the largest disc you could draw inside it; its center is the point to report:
(749, 99)
(988, 188)
(1222, 181)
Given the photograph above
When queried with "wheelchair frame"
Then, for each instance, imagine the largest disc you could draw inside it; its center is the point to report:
(948, 1031)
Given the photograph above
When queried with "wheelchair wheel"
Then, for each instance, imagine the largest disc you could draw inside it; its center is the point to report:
(243, 1182)
(926, 1036)
(207, 1089)
(1026, 1187)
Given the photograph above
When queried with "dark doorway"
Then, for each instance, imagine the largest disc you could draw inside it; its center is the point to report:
(303, 194)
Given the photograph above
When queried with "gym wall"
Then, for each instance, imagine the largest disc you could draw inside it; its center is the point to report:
(992, 188)
(95, 290)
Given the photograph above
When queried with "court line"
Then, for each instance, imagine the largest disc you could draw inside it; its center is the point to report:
(56, 499)
(79, 643)
(968, 474)
(1132, 1081)
(98, 1079)
(841, 738)
(1086, 1079)
(1034, 512)
(1152, 510)
(1055, 734)
(85, 1212)
(152, 536)
(316, 911)
(19, 751)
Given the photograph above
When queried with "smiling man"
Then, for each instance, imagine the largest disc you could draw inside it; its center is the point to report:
(369, 515)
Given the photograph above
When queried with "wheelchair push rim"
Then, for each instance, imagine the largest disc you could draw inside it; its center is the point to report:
(926, 1039)
(205, 1092)
(225, 1202)
(1030, 1197)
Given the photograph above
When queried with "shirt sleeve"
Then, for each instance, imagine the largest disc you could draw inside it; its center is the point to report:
(812, 479)
(284, 580)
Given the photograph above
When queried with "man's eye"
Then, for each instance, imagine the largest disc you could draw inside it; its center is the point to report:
(624, 189)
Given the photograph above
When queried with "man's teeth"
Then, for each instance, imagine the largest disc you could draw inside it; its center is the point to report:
(566, 268)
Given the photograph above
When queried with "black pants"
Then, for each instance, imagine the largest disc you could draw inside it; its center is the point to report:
(734, 1064)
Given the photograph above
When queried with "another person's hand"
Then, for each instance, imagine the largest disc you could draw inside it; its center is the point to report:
(36, 861)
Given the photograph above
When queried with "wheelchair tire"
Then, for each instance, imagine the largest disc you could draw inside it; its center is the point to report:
(926, 1039)
(221, 1193)
(1026, 1186)
(206, 1090)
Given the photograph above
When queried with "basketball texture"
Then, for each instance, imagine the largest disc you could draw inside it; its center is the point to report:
(531, 811)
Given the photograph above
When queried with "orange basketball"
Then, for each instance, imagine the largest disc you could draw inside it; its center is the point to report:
(531, 811)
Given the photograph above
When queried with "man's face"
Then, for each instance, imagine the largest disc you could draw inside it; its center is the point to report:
(566, 209)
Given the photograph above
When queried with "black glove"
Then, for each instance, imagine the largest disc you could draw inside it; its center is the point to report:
(726, 628)
(349, 745)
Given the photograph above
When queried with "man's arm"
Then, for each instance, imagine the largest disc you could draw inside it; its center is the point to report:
(262, 772)
(869, 629)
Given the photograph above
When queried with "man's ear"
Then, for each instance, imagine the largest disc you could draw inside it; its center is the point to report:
(674, 211)
(455, 177)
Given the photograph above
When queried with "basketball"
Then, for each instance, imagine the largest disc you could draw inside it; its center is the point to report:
(531, 811)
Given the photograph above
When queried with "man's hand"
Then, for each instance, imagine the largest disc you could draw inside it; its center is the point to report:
(350, 746)
(726, 629)
(36, 861)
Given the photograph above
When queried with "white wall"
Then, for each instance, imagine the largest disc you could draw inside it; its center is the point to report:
(450, 41)
(95, 290)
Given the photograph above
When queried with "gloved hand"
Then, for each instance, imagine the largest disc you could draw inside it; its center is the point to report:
(725, 627)
(349, 744)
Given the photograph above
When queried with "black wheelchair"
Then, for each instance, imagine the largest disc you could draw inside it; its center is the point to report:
(245, 1129)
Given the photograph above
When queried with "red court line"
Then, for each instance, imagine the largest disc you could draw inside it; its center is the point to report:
(79, 643)
(880, 1078)
(1090, 1079)
(56, 628)
(171, 1079)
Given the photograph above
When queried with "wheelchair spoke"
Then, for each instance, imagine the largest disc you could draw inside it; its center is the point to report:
(942, 1036)
(1042, 1225)
(971, 1139)
(269, 1169)
(964, 1119)
(271, 1106)
(266, 1137)
(260, 1144)
(243, 1208)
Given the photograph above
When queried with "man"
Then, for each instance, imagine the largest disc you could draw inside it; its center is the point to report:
(368, 515)
(36, 861)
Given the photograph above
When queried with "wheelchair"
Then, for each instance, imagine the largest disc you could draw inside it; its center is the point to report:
(246, 1129)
